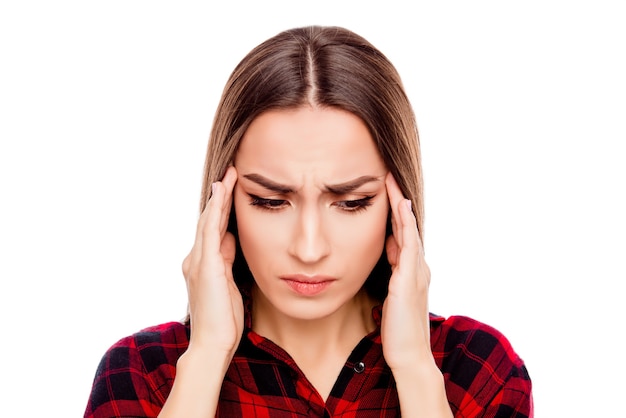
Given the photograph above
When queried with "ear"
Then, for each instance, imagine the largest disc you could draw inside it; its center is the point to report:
(392, 250)
(228, 250)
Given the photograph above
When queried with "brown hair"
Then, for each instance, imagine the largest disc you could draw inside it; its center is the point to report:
(326, 67)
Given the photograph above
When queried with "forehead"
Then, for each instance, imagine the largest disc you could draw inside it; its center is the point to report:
(309, 139)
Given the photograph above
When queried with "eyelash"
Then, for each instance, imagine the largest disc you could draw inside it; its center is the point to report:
(350, 206)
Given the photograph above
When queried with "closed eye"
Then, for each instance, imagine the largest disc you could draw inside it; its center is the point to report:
(269, 204)
(354, 205)
(351, 206)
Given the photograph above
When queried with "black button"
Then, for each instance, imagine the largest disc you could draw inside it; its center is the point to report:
(359, 367)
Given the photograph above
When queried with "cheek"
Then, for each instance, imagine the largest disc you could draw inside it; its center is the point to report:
(257, 236)
(364, 234)
(248, 228)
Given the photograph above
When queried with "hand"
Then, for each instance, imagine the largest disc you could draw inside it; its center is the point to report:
(215, 303)
(405, 328)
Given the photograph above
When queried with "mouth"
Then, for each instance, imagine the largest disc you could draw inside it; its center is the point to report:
(308, 285)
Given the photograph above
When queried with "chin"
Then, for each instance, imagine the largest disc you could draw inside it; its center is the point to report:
(309, 310)
(306, 308)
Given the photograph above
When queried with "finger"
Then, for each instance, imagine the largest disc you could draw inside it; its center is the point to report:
(411, 255)
(394, 194)
(394, 225)
(405, 222)
(408, 225)
(211, 237)
(196, 250)
(201, 223)
(229, 180)
(411, 259)
(215, 213)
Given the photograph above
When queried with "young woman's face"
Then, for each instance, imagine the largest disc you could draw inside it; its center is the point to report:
(311, 208)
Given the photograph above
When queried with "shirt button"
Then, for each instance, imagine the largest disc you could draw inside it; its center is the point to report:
(359, 367)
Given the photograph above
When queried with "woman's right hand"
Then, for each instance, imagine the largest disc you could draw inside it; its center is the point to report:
(215, 303)
(215, 310)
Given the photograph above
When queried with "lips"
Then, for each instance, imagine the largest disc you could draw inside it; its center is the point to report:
(308, 285)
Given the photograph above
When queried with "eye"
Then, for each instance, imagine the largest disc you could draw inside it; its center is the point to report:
(354, 205)
(269, 204)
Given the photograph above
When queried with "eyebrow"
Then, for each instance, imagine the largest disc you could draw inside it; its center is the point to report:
(350, 186)
(269, 184)
(338, 189)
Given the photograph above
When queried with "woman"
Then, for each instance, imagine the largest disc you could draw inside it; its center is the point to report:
(308, 289)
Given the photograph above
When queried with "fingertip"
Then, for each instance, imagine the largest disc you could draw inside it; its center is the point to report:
(393, 190)
(215, 188)
(231, 171)
(406, 205)
(408, 220)
(230, 177)
(390, 180)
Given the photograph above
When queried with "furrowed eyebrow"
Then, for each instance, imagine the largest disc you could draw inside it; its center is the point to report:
(350, 186)
(338, 189)
(269, 184)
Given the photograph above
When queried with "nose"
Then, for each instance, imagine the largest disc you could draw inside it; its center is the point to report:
(309, 243)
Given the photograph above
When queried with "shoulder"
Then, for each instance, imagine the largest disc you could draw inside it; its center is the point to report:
(470, 335)
(138, 370)
(162, 343)
(480, 366)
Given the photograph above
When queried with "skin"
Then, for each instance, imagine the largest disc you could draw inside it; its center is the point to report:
(308, 227)
(296, 217)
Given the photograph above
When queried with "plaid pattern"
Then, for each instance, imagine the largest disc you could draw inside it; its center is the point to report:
(483, 376)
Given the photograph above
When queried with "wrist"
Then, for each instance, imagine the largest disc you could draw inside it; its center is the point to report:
(200, 358)
(197, 385)
(418, 373)
(421, 391)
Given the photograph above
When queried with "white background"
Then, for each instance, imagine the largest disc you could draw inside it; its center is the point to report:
(105, 110)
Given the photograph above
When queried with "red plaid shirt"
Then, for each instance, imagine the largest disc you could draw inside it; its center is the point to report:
(484, 377)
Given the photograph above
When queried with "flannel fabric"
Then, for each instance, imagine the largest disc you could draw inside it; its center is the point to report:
(484, 377)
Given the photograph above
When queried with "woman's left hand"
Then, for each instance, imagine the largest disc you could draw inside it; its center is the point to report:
(405, 328)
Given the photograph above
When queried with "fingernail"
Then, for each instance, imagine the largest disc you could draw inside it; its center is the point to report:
(408, 203)
(213, 186)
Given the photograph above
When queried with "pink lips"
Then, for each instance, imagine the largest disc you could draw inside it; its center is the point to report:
(308, 285)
